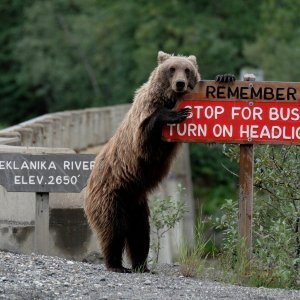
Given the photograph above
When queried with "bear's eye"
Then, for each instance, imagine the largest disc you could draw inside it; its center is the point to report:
(187, 71)
(172, 70)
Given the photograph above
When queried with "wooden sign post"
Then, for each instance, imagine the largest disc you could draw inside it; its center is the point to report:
(246, 192)
(246, 113)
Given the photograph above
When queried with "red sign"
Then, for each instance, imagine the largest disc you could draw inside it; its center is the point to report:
(238, 121)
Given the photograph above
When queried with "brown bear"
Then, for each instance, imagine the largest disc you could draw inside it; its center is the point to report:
(134, 161)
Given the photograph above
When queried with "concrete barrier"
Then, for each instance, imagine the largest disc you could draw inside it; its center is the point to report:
(80, 131)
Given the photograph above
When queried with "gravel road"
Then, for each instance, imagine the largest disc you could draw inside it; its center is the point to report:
(43, 277)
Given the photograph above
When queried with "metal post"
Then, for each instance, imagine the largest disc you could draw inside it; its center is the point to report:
(41, 232)
(246, 190)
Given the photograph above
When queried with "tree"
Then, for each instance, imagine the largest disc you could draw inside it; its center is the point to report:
(56, 55)
(277, 46)
(12, 95)
(74, 54)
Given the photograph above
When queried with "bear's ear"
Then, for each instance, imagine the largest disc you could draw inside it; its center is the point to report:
(193, 59)
(162, 56)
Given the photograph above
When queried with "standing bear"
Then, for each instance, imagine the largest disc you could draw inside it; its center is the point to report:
(134, 161)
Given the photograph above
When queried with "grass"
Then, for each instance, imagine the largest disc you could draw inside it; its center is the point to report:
(192, 259)
(229, 267)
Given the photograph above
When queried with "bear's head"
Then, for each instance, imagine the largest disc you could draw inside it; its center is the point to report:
(178, 73)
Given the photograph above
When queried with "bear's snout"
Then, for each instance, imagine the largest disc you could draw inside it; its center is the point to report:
(180, 85)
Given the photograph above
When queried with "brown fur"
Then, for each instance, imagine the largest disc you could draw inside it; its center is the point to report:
(134, 161)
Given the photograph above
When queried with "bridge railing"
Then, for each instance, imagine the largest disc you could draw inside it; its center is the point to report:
(77, 129)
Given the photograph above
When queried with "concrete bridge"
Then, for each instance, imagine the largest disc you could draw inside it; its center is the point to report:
(77, 131)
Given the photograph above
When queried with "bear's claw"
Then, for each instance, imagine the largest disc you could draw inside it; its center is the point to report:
(225, 78)
(183, 114)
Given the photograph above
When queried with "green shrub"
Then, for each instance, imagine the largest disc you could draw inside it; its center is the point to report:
(165, 213)
(276, 224)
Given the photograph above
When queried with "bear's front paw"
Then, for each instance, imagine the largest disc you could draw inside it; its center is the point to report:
(225, 78)
(182, 114)
(173, 117)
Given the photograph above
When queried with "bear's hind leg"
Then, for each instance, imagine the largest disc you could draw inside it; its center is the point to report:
(112, 240)
(112, 250)
(138, 237)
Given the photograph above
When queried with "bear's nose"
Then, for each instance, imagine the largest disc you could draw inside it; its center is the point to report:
(180, 84)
